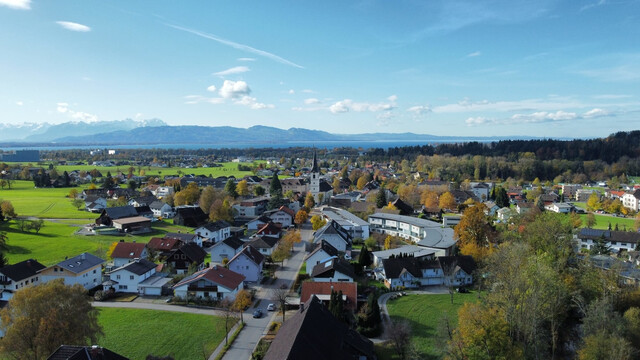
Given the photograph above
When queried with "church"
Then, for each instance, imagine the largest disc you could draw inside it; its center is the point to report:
(317, 185)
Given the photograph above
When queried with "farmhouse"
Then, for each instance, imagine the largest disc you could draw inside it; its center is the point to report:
(17, 276)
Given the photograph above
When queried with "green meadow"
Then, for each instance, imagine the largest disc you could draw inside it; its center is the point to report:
(181, 335)
(227, 169)
(51, 203)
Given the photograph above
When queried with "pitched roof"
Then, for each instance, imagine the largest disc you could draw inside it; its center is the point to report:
(323, 246)
(609, 235)
(132, 220)
(120, 212)
(137, 267)
(265, 242)
(216, 274)
(324, 186)
(438, 238)
(68, 352)
(464, 262)
(287, 210)
(329, 267)
(193, 252)
(216, 226)
(262, 218)
(250, 252)
(315, 334)
(393, 267)
(270, 228)
(184, 237)
(144, 210)
(163, 244)
(350, 289)
(22, 270)
(315, 168)
(333, 228)
(405, 209)
(80, 263)
(233, 242)
(127, 250)
(156, 205)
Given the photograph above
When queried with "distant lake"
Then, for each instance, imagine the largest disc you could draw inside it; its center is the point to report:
(364, 144)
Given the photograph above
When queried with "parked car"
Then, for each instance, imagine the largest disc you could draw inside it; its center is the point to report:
(257, 314)
(271, 307)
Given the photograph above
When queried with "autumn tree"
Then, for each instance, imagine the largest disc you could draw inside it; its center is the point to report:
(221, 210)
(317, 222)
(280, 295)
(474, 233)
(309, 201)
(590, 220)
(429, 199)
(399, 334)
(241, 302)
(258, 190)
(593, 203)
(208, 196)
(447, 201)
(228, 315)
(111, 248)
(301, 217)
(187, 196)
(230, 188)
(336, 184)
(362, 181)
(7, 209)
(38, 319)
(73, 193)
(242, 188)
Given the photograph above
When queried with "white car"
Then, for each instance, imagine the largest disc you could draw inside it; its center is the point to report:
(347, 257)
(271, 307)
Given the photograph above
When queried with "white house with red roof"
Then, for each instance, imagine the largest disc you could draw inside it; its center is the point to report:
(215, 283)
(126, 252)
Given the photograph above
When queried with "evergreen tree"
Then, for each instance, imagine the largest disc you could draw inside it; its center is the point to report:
(275, 187)
(364, 259)
(66, 180)
(381, 198)
(600, 247)
(501, 197)
(230, 188)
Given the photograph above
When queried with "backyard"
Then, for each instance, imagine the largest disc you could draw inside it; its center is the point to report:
(423, 312)
(181, 335)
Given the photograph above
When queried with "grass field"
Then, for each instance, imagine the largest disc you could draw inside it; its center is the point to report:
(43, 203)
(57, 240)
(181, 335)
(423, 313)
(603, 221)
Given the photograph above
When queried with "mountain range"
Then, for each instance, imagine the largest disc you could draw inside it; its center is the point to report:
(156, 131)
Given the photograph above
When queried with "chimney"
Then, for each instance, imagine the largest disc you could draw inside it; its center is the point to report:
(83, 256)
(134, 241)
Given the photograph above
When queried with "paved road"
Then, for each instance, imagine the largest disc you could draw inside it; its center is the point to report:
(254, 329)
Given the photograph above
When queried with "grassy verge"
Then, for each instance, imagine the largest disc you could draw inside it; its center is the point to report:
(231, 340)
(423, 312)
(183, 335)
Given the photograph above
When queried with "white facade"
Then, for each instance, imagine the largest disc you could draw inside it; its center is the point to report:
(615, 246)
(7, 290)
(337, 277)
(127, 281)
(630, 201)
(316, 259)
(166, 211)
(88, 279)
(220, 251)
(214, 235)
(205, 285)
(561, 208)
(282, 217)
(245, 266)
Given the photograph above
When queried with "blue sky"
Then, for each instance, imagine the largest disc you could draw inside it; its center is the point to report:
(540, 68)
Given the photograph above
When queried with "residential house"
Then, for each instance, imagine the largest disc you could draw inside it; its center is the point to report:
(252, 207)
(270, 229)
(631, 200)
(214, 232)
(264, 244)
(407, 227)
(186, 238)
(504, 214)
(283, 216)
(353, 225)
(314, 333)
(127, 277)
(403, 208)
(94, 352)
(119, 212)
(414, 251)
(216, 282)
(583, 195)
(615, 240)
(95, 204)
(333, 270)
(323, 251)
(126, 252)
(524, 207)
(322, 291)
(84, 269)
(145, 211)
(142, 201)
(258, 222)
(17, 276)
(163, 191)
(490, 208)
(335, 235)
(163, 246)
(409, 272)
(248, 262)
(183, 258)
(190, 216)
(481, 190)
(451, 220)
(562, 208)
(569, 191)
(225, 249)
(161, 209)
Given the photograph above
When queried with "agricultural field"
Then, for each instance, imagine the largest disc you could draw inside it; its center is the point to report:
(51, 203)
(181, 335)
(56, 240)
(423, 312)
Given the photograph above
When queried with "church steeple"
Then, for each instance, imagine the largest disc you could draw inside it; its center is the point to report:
(315, 168)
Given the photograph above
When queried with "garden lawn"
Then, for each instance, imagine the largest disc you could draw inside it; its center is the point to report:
(603, 221)
(136, 333)
(51, 203)
(57, 241)
(423, 313)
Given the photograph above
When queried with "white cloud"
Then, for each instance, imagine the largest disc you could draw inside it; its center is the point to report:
(467, 105)
(478, 120)
(212, 88)
(16, 4)
(232, 71)
(340, 107)
(474, 54)
(237, 46)
(595, 113)
(252, 103)
(419, 110)
(246, 59)
(308, 91)
(384, 119)
(73, 26)
(291, 92)
(543, 116)
(612, 96)
(234, 89)
(590, 6)
(63, 108)
(393, 98)
(311, 101)
(19, 103)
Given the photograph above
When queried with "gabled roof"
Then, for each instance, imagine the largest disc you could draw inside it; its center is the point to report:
(137, 267)
(216, 226)
(144, 210)
(193, 252)
(333, 228)
(127, 250)
(287, 210)
(146, 200)
(184, 237)
(250, 252)
(22, 270)
(314, 333)
(265, 242)
(262, 218)
(270, 228)
(323, 246)
(405, 209)
(216, 274)
(157, 205)
(349, 289)
(464, 262)
(80, 263)
(163, 244)
(438, 238)
(120, 212)
(324, 186)
(232, 242)
(609, 235)
(68, 352)
(394, 267)
(328, 268)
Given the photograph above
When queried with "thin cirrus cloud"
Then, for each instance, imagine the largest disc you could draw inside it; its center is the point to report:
(474, 54)
(232, 71)
(73, 26)
(238, 46)
(63, 108)
(16, 4)
(539, 117)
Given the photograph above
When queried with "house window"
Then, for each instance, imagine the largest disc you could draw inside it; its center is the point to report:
(130, 277)
(55, 269)
(183, 257)
(206, 294)
(117, 277)
(94, 271)
(247, 267)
